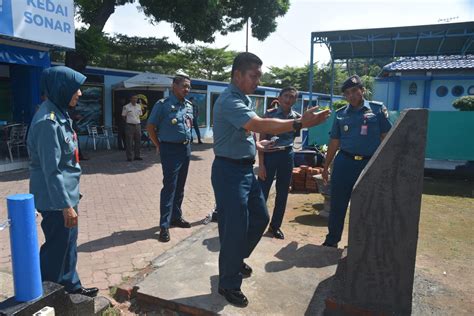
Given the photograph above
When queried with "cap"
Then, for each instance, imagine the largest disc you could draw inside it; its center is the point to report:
(181, 73)
(352, 81)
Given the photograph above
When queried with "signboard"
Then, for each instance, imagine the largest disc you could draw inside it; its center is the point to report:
(44, 21)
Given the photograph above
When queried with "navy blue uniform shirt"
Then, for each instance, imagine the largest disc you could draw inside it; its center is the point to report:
(173, 119)
(348, 128)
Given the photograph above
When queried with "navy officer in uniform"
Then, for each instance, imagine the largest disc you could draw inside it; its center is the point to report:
(277, 159)
(169, 127)
(243, 214)
(357, 131)
(54, 177)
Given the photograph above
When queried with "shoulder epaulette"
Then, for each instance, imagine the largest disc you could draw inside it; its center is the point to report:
(51, 116)
(341, 108)
(376, 103)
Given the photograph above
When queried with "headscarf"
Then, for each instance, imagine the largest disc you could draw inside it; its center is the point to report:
(60, 83)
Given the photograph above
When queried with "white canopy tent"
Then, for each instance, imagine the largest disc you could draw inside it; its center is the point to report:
(148, 79)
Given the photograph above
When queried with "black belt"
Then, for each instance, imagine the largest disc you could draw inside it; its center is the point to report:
(133, 124)
(243, 161)
(176, 143)
(354, 156)
(276, 150)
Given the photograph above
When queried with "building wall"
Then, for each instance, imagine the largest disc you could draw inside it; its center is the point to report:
(385, 91)
(408, 100)
(445, 103)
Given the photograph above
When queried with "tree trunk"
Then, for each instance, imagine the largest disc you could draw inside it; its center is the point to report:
(78, 60)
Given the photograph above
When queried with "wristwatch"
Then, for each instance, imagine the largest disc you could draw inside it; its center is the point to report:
(297, 125)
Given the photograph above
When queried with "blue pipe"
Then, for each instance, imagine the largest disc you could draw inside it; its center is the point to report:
(24, 247)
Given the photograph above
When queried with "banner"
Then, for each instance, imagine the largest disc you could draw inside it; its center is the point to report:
(43, 21)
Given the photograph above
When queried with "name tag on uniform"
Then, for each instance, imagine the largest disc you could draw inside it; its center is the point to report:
(363, 130)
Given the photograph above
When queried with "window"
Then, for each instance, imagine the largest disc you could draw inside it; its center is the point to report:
(214, 96)
(457, 91)
(412, 89)
(6, 111)
(90, 108)
(470, 90)
(199, 99)
(441, 91)
(257, 104)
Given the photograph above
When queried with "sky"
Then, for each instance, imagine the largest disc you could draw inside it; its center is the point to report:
(290, 43)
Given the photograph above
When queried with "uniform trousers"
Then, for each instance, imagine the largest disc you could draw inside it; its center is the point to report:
(58, 254)
(175, 165)
(242, 219)
(196, 129)
(133, 134)
(345, 172)
(279, 164)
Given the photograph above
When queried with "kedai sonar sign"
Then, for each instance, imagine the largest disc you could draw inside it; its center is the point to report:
(44, 21)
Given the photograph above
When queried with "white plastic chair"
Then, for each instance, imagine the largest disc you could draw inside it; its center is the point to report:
(108, 131)
(17, 138)
(96, 137)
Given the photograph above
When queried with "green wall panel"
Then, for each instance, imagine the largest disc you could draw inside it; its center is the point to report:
(450, 134)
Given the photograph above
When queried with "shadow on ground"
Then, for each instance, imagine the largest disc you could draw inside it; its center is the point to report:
(119, 239)
(308, 256)
(311, 220)
(448, 187)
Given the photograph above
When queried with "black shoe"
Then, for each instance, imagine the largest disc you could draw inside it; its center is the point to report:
(246, 270)
(91, 291)
(326, 244)
(214, 216)
(138, 158)
(277, 233)
(180, 222)
(128, 159)
(200, 142)
(235, 297)
(164, 235)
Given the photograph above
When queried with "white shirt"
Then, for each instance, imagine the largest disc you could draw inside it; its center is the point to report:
(132, 113)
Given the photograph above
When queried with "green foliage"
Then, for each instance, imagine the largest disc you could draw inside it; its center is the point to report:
(286, 76)
(197, 61)
(298, 77)
(194, 20)
(133, 53)
(367, 66)
(191, 20)
(465, 103)
(91, 42)
(339, 104)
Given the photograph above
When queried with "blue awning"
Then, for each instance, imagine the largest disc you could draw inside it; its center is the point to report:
(24, 56)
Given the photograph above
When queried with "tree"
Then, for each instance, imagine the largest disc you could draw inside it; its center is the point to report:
(133, 53)
(465, 103)
(198, 62)
(191, 20)
(210, 63)
(286, 76)
(299, 78)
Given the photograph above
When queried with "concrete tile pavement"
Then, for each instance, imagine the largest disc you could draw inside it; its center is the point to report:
(119, 214)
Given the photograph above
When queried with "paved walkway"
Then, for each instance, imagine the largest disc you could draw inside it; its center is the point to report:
(119, 214)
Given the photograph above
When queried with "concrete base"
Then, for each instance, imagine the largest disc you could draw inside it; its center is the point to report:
(288, 279)
(54, 296)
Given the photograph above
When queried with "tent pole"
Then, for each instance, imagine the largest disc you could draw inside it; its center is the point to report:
(311, 73)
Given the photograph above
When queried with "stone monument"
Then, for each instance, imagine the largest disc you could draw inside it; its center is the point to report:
(376, 276)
